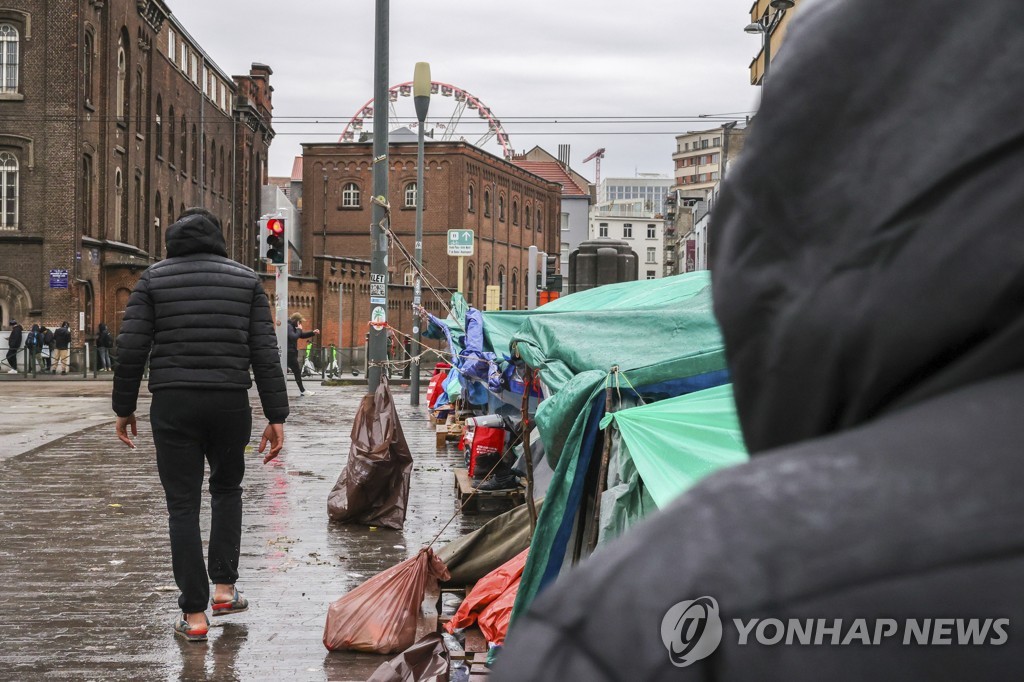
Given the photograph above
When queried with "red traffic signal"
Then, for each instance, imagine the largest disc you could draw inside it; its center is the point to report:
(275, 226)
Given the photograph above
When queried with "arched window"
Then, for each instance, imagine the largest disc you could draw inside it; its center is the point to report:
(9, 49)
(183, 157)
(469, 200)
(159, 126)
(119, 217)
(350, 196)
(87, 195)
(204, 170)
(141, 233)
(501, 288)
(526, 215)
(170, 211)
(540, 225)
(409, 279)
(487, 203)
(213, 166)
(158, 224)
(222, 174)
(195, 152)
(515, 289)
(88, 47)
(8, 191)
(140, 119)
(470, 283)
(170, 134)
(487, 279)
(515, 211)
(122, 74)
(410, 195)
(501, 208)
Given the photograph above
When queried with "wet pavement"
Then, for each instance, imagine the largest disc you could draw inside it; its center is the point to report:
(88, 591)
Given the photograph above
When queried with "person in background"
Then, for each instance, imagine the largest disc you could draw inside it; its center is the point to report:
(13, 344)
(294, 334)
(45, 348)
(204, 321)
(62, 344)
(104, 342)
(32, 341)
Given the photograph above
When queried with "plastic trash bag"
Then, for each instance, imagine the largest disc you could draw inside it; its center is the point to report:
(490, 603)
(373, 488)
(425, 661)
(380, 615)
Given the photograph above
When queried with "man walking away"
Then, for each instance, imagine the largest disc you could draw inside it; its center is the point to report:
(104, 342)
(206, 320)
(294, 334)
(13, 344)
(62, 342)
(32, 341)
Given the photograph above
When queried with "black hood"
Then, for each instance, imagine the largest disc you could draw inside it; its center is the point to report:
(868, 248)
(195, 234)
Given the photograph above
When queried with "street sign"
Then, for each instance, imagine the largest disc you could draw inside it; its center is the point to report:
(58, 279)
(460, 242)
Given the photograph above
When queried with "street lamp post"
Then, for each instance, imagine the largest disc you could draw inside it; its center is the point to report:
(421, 98)
(377, 353)
(765, 27)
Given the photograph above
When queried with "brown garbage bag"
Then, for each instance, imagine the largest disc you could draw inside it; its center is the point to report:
(373, 489)
(380, 615)
(425, 661)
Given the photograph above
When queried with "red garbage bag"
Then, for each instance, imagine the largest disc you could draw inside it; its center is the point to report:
(427, 660)
(380, 615)
(436, 387)
(373, 488)
(490, 589)
(496, 616)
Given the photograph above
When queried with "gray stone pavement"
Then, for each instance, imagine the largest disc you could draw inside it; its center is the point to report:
(88, 592)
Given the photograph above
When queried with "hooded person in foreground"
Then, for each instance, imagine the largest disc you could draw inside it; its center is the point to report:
(206, 320)
(868, 270)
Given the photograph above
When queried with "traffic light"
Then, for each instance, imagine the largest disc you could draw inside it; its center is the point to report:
(273, 240)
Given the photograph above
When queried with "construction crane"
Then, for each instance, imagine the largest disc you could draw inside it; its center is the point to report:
(596, 156)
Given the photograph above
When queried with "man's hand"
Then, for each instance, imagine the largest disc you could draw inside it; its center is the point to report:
(316, 331)
(122, 429)
(273, 434)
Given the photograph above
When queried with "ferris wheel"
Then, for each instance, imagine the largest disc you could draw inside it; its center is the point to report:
(446, 128)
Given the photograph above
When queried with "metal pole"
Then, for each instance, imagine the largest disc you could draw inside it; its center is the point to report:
(377, 345)
(414, 383)
(462, 263)
(767, 50)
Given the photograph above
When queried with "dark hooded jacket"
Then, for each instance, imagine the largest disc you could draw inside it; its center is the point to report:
(62, 337)
(868, 265)
(14, 340)
(206, 319)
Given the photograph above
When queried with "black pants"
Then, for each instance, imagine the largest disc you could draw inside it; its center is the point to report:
(190, 426)
(293, 365)
(12, 357)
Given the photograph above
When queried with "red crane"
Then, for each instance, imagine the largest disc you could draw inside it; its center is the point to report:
(596, 156)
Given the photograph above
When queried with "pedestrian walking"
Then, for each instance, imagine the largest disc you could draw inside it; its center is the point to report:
(294, 334)
(13, 344)
(104, 342)
(214, 324)
(62, 346)
(46, 348)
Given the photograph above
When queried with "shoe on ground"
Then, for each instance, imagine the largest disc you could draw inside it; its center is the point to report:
(196, 633)
(12, 371)
(305, 393)
(496, 483)
(236, 604)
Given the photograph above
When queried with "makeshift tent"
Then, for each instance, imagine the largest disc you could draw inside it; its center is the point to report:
(473, 556)
(675, 348)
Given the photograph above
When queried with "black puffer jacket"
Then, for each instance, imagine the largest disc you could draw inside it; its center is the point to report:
(875, 335)
(206, 319)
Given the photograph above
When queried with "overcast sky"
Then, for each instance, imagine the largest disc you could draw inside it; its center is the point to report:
(532, 58)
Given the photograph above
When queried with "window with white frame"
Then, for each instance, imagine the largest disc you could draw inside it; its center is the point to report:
(122, 75)
(627, 230)
(410, 195)
(350, 196)
(9, 46)
(8, 191)
(652, 254)
(410, 277)
(172, 47)
(565, 221)
(184, 58)
(469, 200)
(602, 230)
(652, 231)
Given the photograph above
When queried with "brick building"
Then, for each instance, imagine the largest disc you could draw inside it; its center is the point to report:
(112, 121)
(508, 208)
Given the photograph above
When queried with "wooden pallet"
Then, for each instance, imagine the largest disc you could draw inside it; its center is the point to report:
(474, 502)
(444, 435)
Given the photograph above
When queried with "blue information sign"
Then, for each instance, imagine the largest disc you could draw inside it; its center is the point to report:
(58, 279)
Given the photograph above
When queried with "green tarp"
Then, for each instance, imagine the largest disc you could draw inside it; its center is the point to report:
(676, 442)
